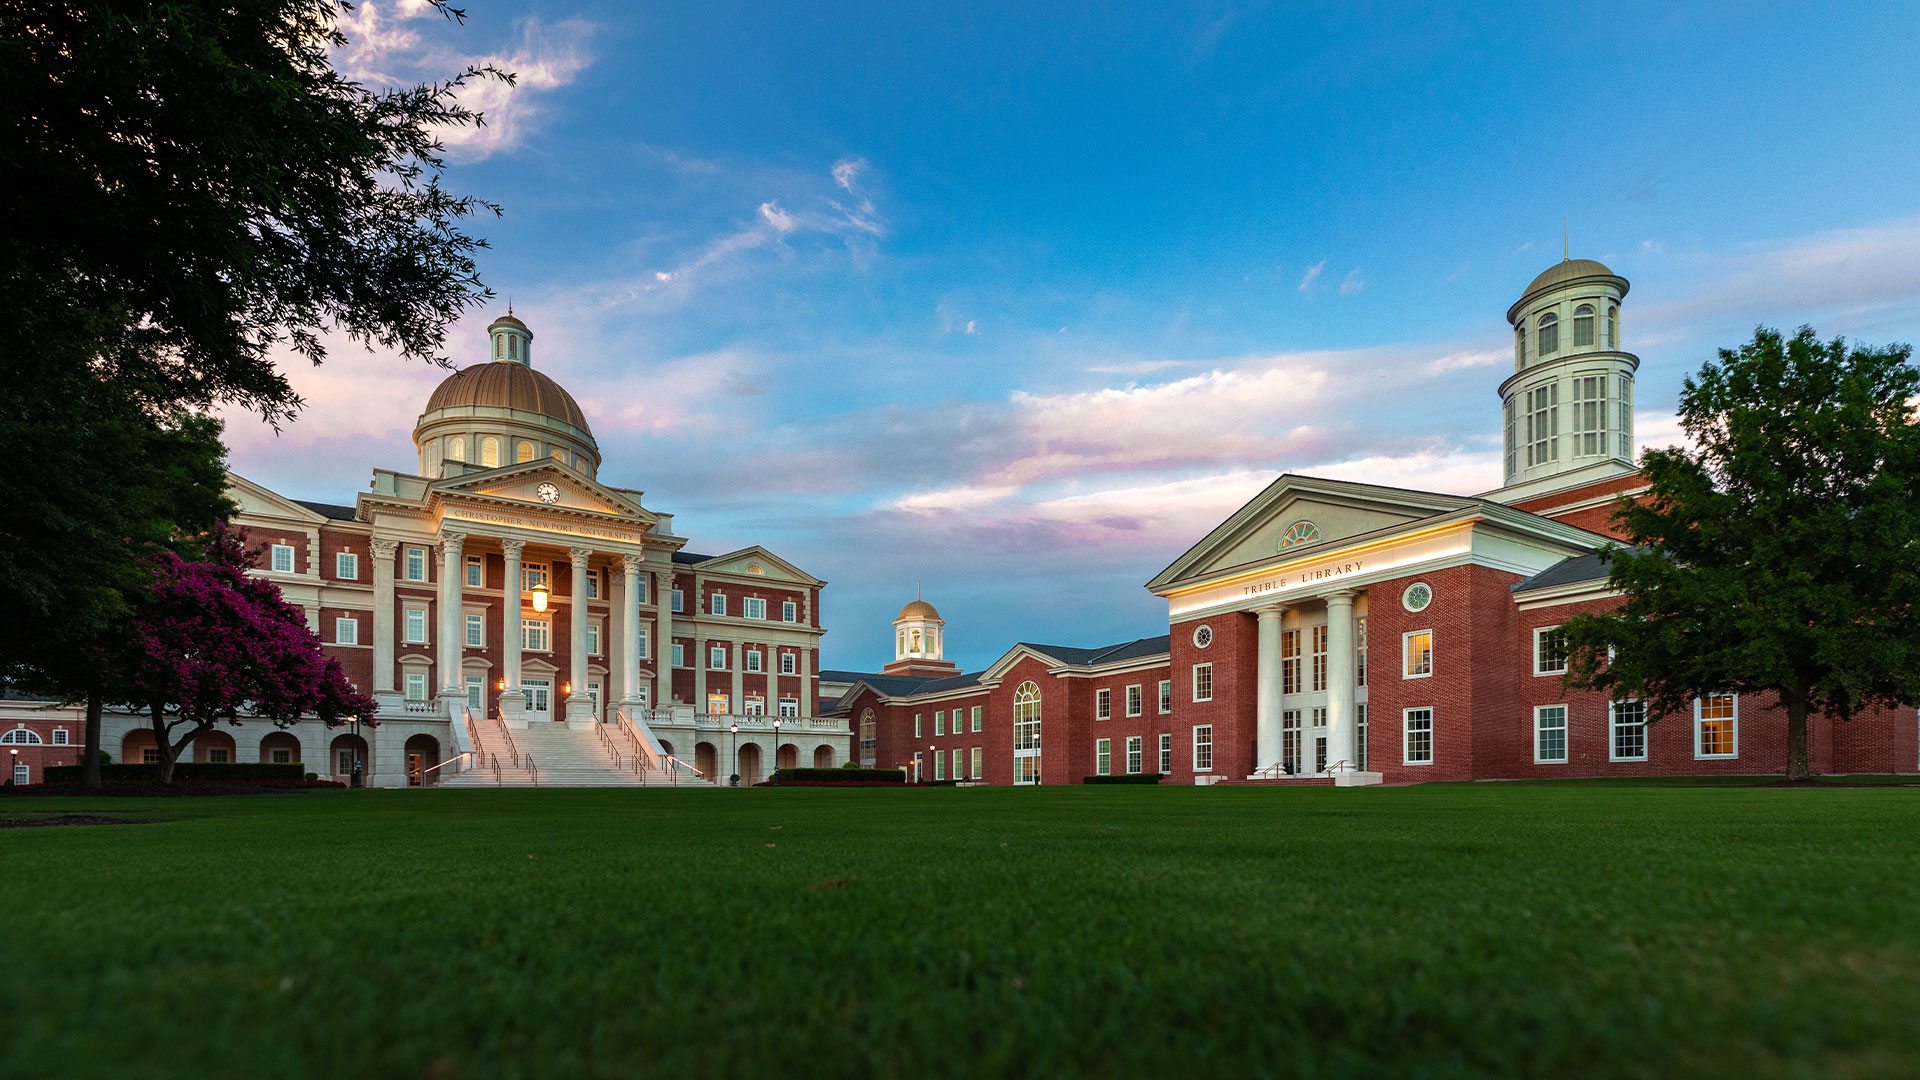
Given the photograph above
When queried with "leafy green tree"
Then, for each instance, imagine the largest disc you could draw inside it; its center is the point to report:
(1781, 554)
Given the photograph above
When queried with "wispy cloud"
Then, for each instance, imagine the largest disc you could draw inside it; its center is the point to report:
(1313, 273)
(1352, 284)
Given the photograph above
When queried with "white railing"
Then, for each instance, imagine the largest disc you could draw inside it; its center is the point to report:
(422, 708)
(643, 757)
(759, 722)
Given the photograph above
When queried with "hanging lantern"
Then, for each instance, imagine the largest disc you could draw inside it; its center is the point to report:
(539, 591)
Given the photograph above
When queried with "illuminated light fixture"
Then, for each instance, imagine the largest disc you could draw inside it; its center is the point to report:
(567, 689)
(539, 591)
(500, 684)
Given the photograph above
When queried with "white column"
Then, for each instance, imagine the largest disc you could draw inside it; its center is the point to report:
(630, 630)
(662, 596)
(1340, 678)
(1267, 688)
(512, 701)
(451, 573)
(579, 705)
(383, 629)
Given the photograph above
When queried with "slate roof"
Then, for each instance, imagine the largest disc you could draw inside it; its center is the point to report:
(1105, 654)
(330, 510)
(1568, 571)
(842, 676)
(685, 557)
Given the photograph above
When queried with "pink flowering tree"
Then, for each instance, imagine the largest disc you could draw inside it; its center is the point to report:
(214, 644)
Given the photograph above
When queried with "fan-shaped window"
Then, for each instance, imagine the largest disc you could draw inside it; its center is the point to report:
(1583, 326)
(867, 731)
(489, 452)
(1026, 734)
(457, 449)
(1613, 324)
(523, 452)
(1300, 532)
(1549, 334)
(20, 737)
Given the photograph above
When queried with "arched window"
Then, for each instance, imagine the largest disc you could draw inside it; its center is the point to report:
(559, 455)
(1300, 532)
(1520, 346)
(1613, 328)
(867, 732)
(489, 452)
(20, 737)
(524, 452)
(916, 643)
(1026, 734)
(900, 642)
(457, 448)
(513, 347)
(1549, 334)
(1583, 326)
(499, 346)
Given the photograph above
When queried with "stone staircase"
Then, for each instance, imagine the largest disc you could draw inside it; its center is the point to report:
(555, 755)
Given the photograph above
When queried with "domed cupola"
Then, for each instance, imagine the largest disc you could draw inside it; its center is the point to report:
(1569, 404)
(919, 640)
(503, 412)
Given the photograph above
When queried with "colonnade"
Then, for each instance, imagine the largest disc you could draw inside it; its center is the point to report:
(1270, 686)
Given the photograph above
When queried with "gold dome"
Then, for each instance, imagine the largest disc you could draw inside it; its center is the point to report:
(1564, 272)
(919, 609)
(509, 385)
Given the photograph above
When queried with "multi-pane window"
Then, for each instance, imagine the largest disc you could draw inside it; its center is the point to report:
(1626, 416)
(1716, 726)
(753, 607)
(1290, 740)
(1320, 741)
(1133, 700)
(1543, 424)
(1589, 420)
(1549, 650)
(1360, 736)
(1102, 757)
(1613, 327)
(640, 589)
(869, 731)
(346, 566)
(679, 600)
(717, 603)
(939, 721)
(1203, 682)
(753, 659)
(593, 584)
(1583, 326)
(1102, 704)
(916, 725)
(536, 635)
(717, 657)
(1319, 658)
(1549, 335)
(1419, 653)
(1550, 734)
(1134, 756)
(1512, 438)
(219, 755)
(416, 626)
(593, 639)
(1203, 748)
(1360, 652)
(282, 557)
(476, 693)
(789, 707)
(641, 644)
(1416, 747)
(280, 756)
(1519, 347)
(346, 631)
(532, 574)
(476, 572)
(959, 764)
(789, 611)
(59, 736)
(939, 765)
(416, 565)
(756, 705)
(476, 630)
(973, 719)
(1289, 661)
(789, 663)
(489, 452)
(979, 762)
(343, 762)
(679, 654)
(416, 686)
(1629, 731)
(1166, 754)
(1166, 696)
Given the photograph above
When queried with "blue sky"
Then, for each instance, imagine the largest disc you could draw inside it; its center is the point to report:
(1014, 303)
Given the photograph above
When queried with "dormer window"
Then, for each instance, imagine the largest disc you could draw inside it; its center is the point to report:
(1583, 326)
(1549, 334)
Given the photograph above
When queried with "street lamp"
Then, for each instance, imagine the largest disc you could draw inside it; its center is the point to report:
(13, 764)
(734, 751)
(776, 751)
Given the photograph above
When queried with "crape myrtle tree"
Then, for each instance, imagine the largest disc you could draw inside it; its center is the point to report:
(215, 644)
(1780, 555)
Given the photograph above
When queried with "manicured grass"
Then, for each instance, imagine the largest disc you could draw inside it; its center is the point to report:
(1447, 930)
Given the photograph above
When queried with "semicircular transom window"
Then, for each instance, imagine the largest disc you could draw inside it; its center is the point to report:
(1300, 532)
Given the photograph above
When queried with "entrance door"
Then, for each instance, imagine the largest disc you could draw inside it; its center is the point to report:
(539, 698)
(413, 770)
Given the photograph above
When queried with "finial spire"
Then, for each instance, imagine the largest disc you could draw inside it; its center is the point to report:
(1566, 238)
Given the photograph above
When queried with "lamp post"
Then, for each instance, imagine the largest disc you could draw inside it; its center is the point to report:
(354, 779)
(733, 767)
(776, 751)
(930, 752)
(13, 765)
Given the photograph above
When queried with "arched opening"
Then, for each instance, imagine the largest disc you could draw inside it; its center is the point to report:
(666, 747)
(1583, 326)
(1026, 734)
(707, 760)
(457, 448)
(1519, 346)
(823, 757)
(215, 746)
(139, 746)
(423, 753)
(489, 452)
(346, 750)
(747, 760)
(868, 743)
(1613, 328)
(523, 453)
(1549, 334)
(787, 757)
(280, 748)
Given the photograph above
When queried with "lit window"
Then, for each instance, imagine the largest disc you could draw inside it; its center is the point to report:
(1416, 747)
(1102, 757)
(1549, 334)
(282, 559)
(558, 455)
(1543, 424)
(1419, 654)
(536, 635)
(789, 611)
(457, 448)
(523, 452)
(1550, 734)
(1203, 682)
(346, 631)
(476, 630)
(1583, 326)
(416, 564)
(1716, 726)
(1102, 704)
(346, 566)
(416, 626)
(717, 658)
(1133, 700)
(717, 603)
(1629, 723)
(1549, 651)
(1166, 696)
(756, 705)
(1166, 754)
(717, 704)
(489, 452)
(753, 608)
(1300, 532)
(1203, 748)
(868, 737)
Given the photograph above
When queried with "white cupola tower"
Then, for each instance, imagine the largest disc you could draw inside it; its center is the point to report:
(1567, 410)
(512, 341)
(919, 642)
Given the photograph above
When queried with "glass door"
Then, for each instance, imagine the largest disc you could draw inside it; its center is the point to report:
(539, 698)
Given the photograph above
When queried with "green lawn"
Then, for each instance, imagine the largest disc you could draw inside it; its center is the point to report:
(1446, 930)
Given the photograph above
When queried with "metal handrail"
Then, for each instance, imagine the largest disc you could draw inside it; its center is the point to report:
(533, 772)
(1343, 765)
(607, 742)
(643, 759)
(1275, 771)
(512, 750)
(670, 761)
(457, 757)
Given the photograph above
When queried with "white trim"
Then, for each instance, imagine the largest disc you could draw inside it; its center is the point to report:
(1136, 700)
(1405, 640)
(1538, 654)
(273, 559)
(1103, 749)
(1406, 734)
(342, 561)
(1197, 729)
(1698, 720)
(1103, 703)
(1195, 684)
(1614, 726)
(1540, 711)
(353, 637)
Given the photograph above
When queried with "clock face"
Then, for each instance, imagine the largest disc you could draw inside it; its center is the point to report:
(549, 493)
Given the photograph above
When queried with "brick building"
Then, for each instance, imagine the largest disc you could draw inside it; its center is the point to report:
(1340, 632)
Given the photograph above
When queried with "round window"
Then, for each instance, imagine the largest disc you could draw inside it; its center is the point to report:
(1417, 596)
(1202, 636)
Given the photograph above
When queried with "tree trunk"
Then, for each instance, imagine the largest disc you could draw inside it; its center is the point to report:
(164, 774)
(90, 763)
(1796, 702)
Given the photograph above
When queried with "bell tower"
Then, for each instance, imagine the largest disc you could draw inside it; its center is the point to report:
(918, 642)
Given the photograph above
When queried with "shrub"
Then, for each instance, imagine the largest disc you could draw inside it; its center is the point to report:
(843, 774)
(210, 771)
(1125, 778)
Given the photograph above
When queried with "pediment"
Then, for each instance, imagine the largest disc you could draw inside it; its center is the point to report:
(542, 485)
(758, 562)
(252, 500)
(1329, 510)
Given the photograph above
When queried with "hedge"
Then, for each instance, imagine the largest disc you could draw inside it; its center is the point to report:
(1125, 778)
(841, 776)
(215, 771)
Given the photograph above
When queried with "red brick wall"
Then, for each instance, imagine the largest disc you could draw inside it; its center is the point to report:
(1234, 655)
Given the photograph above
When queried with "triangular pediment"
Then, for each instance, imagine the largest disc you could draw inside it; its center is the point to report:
(254, 501)
(1312, 514)
(758, 562)
(540, 485)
